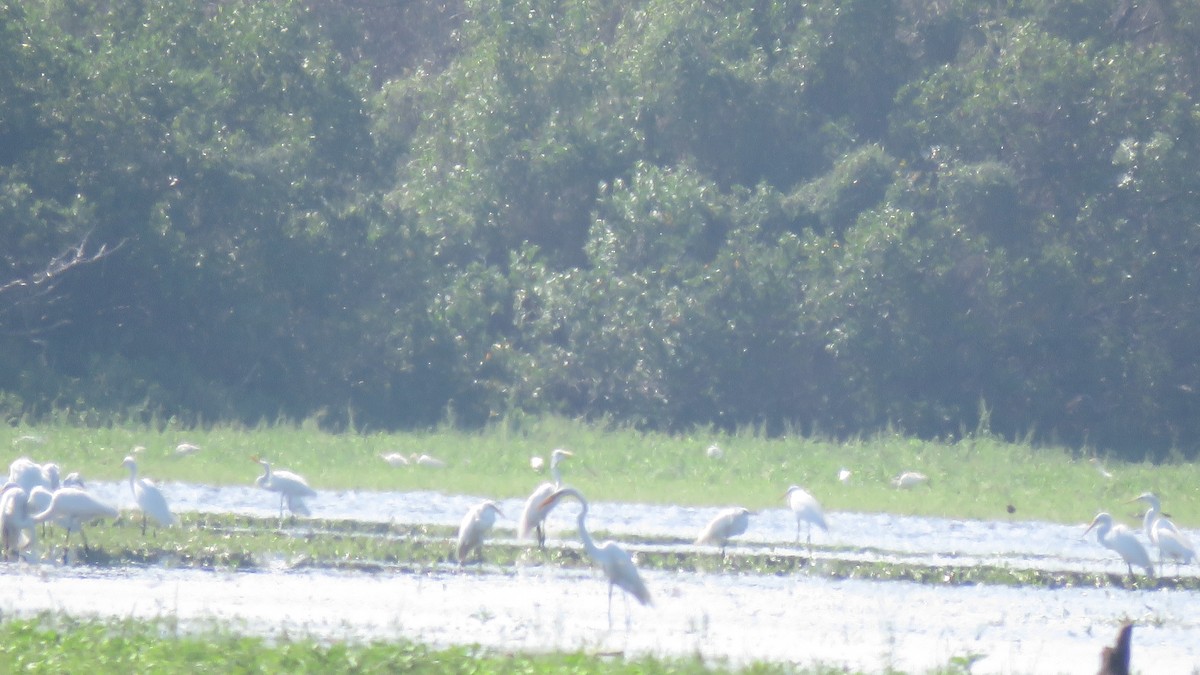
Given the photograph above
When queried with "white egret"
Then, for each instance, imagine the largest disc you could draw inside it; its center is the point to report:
(73, 479)
(26, 473)
(474, 528)
(73, 508)
(184, 449)
(807, 509)
(426, 461)
(395, 459)
(291, 487)
(725, 525)
(537, 464)
(714, 451)
(909, 479)
(533, 516)
(18, 530)
(149, 498)
(1118, 538)
(844, 475)
(1171, 542)
(613, 559)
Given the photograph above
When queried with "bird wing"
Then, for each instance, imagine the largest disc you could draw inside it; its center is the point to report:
(152, 502)
(533, 513)
(621, 571)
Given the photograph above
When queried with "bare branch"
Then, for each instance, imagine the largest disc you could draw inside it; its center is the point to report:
(39, 285)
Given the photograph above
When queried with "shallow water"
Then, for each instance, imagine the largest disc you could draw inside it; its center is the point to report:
(800, 619)
(803, 619)
(870, 536)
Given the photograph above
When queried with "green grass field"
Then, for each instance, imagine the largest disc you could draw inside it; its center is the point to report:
(979, 477)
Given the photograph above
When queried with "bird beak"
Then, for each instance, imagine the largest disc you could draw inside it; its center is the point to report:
(255, 459)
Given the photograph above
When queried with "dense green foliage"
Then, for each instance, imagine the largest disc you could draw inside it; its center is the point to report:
(834, 215)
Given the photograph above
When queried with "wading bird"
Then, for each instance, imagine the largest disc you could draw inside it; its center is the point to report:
(474, 528)
(613, 559)
(185, 449)
(1118, 538)
(909, 479)
(1171, 542)
(725, 525)
(714, 451)
(807, 509)
(395, 459)
(18, 530)
(533, 516)
(291, 487)
(73, 508)
(149, 498)
(426, 461)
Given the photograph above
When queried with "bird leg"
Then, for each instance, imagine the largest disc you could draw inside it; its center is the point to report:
(541, 536)
(143, 523)
(610, 587)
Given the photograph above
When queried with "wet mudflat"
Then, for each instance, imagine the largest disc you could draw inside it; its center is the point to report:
(802, 617)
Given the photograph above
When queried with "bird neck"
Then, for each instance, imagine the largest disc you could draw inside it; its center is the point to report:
(555, 474)
(584, 536)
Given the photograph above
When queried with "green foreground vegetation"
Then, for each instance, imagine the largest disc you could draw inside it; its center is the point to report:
(977, 477)
(60, 645)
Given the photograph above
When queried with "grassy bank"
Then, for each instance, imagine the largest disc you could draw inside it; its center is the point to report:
(979, 477)
(60, 645)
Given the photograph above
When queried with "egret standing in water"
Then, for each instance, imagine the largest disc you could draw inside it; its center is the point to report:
(1118, 538)
(73, 508)
(1171, 542)
(533, 517)
(18, 530)
(727, 524)
(613, 559)
(808, 510)
(149, 498)
(474, 529)
(291, 487)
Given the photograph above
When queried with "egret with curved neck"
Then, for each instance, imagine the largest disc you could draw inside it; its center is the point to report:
(613, 559)
(533, 516)
(1171, 542)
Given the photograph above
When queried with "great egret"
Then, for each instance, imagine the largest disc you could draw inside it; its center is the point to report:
(18, 531)
(807, 509)
(185, 449)
(426, 461)
(537, 464)
(291, 487)
(844, 475)
(725, 525)
(28, 474)
(1171, 542)
(474, 528)
(613, 559)
(533, 516)
(149, 498)
(714, 451)
(1120, 539)
(909, 479)
(73, 508)
(395, 459)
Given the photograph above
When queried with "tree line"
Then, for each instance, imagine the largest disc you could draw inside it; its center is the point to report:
(833, 217)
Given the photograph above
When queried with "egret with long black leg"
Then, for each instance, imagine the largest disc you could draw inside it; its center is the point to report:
(613, 559)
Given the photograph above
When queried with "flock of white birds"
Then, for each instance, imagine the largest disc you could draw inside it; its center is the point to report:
(35, 494)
